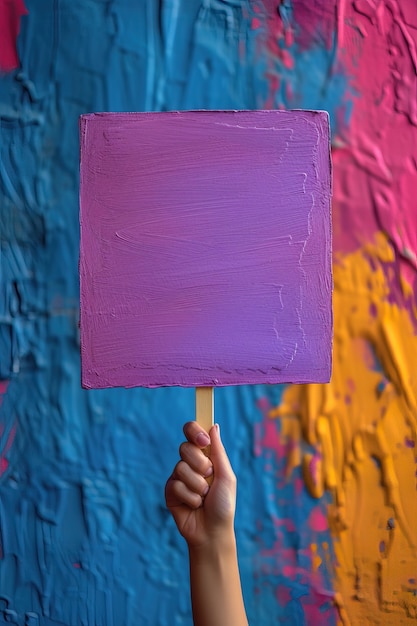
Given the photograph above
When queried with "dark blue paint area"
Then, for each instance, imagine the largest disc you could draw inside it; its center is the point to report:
(377, 462)
(84, 534)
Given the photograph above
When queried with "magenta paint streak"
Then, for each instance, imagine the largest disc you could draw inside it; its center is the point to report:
(4, 445)
(317, 21)
(4, 448)
(205, 253)
(11, 12)
(375, 158)
(317, 520)
(268, 437)
(287, 562)
(3, 388)
(314, 468)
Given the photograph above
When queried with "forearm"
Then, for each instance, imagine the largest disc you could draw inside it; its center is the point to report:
(216, 592)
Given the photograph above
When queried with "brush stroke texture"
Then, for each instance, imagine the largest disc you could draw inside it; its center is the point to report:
(84, 536)
(205, 248)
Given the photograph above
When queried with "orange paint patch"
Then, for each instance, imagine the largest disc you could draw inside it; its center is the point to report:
(362, 427)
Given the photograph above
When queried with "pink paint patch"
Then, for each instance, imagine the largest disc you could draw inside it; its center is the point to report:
(257, 443)
(287, 523)
(283, 595)
(276, 36)
(316, 21)
(287, 60)
(263, 405)
(298, 486)
(3, 386)
(271, 439)
(10, 13)
(314, 468)
(375, 170)
(351, 384)
(4, 463)
(10, 440)
(256, 23)
(313, 613)
(317, 520)
(290, 571)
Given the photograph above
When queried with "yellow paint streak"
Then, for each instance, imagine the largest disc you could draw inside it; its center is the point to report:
(362, 436)
(316, 560)
(290, 434)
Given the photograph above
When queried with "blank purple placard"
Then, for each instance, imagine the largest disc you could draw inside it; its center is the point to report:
(205, 254)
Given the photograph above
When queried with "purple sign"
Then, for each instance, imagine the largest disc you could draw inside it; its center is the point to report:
(205, 254)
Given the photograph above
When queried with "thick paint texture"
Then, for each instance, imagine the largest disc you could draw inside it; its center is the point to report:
(362, 454)
(326, 507)
(205, 255)
(361, 429)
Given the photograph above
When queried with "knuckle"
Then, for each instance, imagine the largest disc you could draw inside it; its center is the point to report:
(196, 501)
(178, 490)
(202, 485)
(185, 450)
(188, 429)
(181, 469)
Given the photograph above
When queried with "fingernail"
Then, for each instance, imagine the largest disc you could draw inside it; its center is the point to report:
(209, 472)
(217, 426)
(206, 490)
(202, 439)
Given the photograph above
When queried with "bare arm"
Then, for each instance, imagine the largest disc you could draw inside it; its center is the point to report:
(205, 518)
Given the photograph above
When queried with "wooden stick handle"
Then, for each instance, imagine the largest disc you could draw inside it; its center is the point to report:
(204, 407)
(204, 414)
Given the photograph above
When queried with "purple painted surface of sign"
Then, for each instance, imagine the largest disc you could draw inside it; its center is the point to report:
(205, 255)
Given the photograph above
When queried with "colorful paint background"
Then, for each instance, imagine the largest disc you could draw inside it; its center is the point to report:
(326, 523)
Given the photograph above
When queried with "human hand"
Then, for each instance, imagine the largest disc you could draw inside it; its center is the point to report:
(204, 514)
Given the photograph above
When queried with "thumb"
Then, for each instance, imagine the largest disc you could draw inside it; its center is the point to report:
(221, 464)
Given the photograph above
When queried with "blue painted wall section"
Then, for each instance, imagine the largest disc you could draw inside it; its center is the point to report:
(84, 535)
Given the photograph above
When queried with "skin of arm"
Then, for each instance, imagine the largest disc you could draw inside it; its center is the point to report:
(205, 518)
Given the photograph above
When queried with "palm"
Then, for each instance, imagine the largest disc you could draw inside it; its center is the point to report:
(195, 525)
(190, 523)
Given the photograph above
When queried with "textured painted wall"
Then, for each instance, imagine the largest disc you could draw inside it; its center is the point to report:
(326, 518)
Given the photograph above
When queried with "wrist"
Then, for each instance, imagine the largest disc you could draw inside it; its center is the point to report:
(216, 591)
(218, 544)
